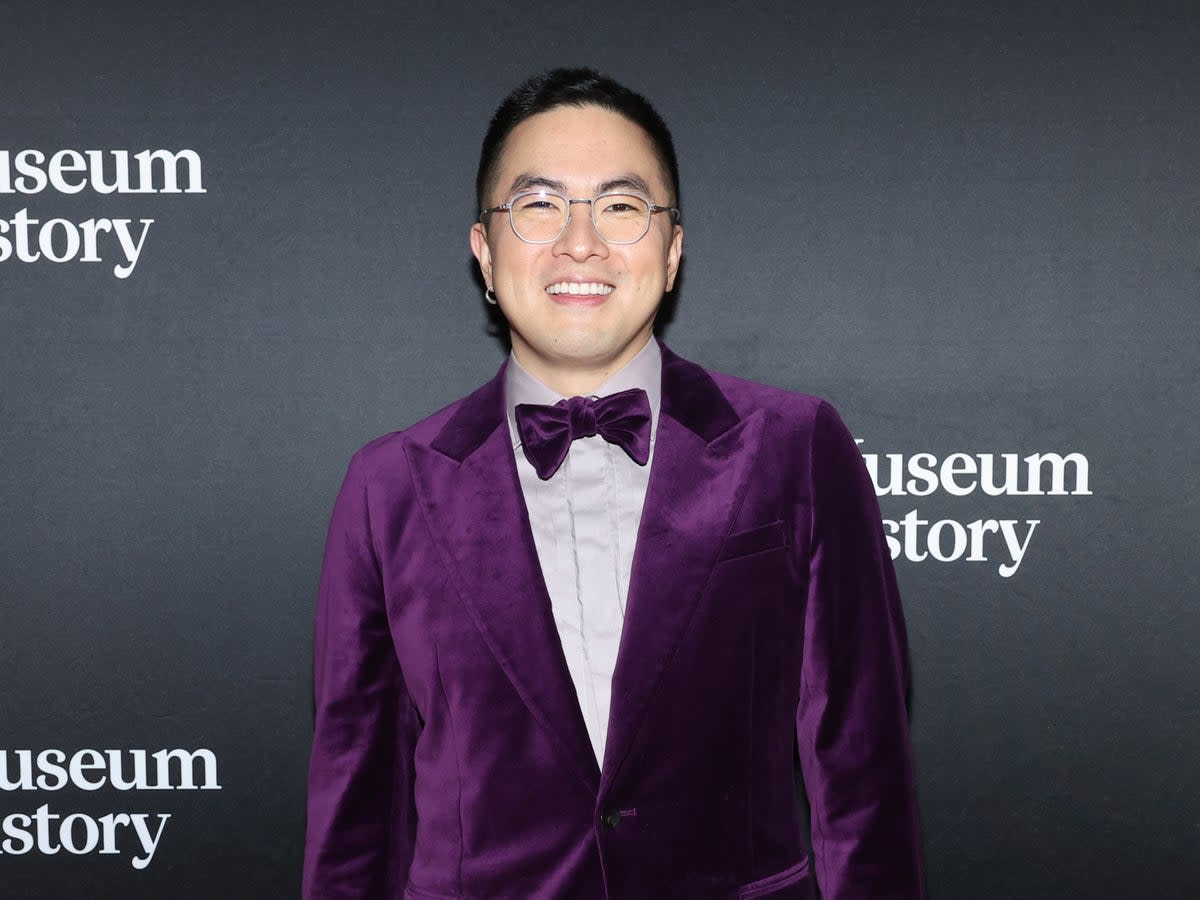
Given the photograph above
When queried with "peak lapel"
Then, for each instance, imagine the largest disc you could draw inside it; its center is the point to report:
(467, 484)
(703, 456)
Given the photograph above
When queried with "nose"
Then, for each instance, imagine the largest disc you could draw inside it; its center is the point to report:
(579, 239)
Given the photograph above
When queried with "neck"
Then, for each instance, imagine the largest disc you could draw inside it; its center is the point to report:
(574, 378)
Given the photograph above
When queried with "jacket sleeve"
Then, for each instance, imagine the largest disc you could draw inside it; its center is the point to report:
(852, 718)
(361, 812)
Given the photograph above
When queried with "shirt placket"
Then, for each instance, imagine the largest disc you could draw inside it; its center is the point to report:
(592, 508)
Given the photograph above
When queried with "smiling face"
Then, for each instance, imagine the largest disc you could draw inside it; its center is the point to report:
(578, 308)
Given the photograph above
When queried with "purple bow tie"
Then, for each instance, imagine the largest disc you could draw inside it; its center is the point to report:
(547, 431)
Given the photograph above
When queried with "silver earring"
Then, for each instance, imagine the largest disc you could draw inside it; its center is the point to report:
(489, 295)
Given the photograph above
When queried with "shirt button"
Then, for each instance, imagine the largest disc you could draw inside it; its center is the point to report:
(611, 818)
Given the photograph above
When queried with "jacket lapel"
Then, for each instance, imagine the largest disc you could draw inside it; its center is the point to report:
(702, 459)
(467, 484)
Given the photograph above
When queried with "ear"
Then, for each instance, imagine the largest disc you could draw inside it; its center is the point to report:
(483, 253)
(674, 255)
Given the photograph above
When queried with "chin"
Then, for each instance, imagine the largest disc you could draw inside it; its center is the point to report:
(588, 352)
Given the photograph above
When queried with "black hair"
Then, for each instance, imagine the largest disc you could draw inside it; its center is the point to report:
(573, 87)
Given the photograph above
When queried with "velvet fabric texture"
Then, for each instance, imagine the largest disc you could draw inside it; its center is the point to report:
(546, 432)
(451, 760)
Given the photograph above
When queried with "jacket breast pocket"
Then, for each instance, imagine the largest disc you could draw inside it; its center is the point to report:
(793, 883)
(416, 893)
(771, 536)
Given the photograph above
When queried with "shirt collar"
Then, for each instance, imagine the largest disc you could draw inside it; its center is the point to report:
(643, 371)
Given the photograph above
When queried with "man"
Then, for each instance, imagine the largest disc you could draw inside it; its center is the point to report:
(569, 648)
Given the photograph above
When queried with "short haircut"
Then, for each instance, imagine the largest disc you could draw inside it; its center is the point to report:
(580, 88)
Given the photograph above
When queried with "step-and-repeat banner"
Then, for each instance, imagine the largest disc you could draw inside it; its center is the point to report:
(233, 248)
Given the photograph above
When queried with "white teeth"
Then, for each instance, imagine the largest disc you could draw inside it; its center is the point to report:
(571, 287)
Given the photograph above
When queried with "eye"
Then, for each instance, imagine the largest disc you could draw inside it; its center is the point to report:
(620, 206)
(538, 204)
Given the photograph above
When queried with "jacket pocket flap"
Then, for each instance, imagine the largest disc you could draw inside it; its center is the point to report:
(766, 537)
(764, 887)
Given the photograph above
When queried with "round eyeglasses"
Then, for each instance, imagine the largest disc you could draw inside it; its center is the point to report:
(540, 217)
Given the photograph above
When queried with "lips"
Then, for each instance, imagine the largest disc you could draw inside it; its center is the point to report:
(580, 288)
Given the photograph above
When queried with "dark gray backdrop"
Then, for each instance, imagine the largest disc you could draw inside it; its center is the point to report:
(972, 230)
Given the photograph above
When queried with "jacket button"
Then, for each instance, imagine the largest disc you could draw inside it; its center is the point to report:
(611, 818)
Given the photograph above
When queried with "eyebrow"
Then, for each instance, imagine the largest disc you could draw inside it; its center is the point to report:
(528, 180)
(627, 181)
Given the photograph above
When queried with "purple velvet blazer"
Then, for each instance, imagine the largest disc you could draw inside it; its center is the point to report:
(451, 760)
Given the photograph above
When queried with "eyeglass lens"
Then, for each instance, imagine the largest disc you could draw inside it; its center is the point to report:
(540, 217)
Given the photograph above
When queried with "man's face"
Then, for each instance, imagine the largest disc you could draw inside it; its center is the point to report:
(581, 152)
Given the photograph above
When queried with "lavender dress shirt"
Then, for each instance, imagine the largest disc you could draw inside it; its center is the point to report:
(585, 520)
